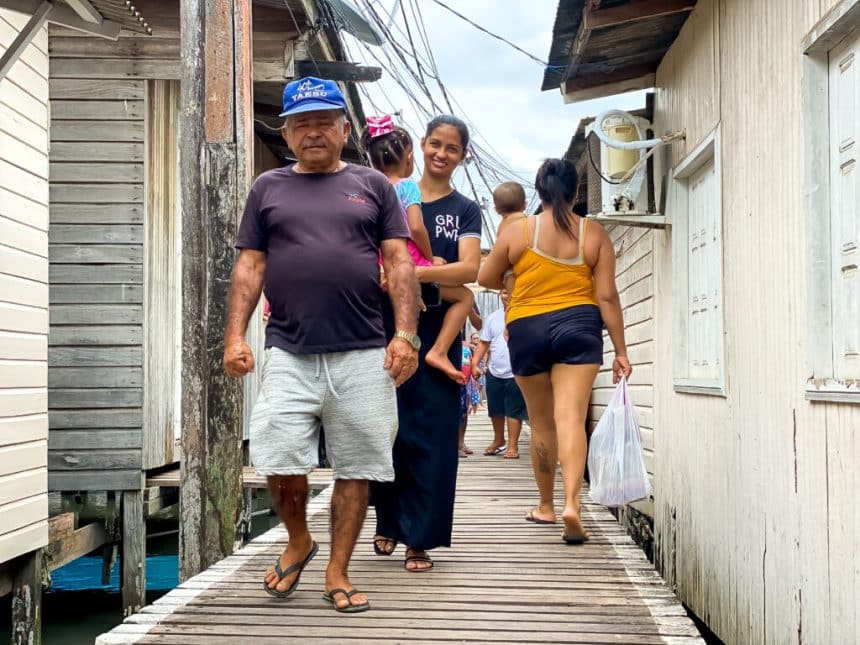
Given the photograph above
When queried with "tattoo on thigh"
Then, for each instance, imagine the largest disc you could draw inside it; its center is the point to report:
(543, 459)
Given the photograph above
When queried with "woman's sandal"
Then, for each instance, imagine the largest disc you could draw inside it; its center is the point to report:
(417, 558)
(379, 544)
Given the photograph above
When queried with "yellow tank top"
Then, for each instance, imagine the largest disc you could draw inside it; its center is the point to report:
(544, 283)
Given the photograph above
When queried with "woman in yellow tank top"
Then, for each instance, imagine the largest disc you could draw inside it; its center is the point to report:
(564, 293)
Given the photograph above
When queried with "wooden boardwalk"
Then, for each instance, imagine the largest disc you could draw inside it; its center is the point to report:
(504, 581)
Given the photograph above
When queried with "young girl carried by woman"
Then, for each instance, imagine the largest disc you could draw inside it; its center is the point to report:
(391, 152)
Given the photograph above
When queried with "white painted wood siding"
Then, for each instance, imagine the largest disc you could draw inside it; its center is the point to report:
(844, 207)
(23, 294)
(756, 515)
(635, 281)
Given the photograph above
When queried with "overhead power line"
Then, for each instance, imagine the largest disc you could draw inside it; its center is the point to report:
(479, 27)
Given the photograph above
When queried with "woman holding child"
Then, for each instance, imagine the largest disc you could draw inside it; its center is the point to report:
(564, 292)
(417, 509)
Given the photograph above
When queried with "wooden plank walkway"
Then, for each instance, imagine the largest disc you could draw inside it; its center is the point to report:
(504, 581)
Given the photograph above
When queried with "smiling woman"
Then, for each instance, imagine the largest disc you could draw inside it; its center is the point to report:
(417, 508)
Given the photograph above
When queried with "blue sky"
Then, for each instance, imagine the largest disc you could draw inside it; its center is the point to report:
(496, 88)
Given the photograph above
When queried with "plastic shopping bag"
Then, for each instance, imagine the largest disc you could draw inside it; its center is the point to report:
(616, 465)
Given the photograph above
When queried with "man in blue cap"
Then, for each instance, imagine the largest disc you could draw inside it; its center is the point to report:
(311, 234)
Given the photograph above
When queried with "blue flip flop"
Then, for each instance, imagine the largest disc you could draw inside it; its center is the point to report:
(283, 573)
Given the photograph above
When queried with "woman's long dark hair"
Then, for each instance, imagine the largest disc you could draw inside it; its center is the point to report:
(556, 185)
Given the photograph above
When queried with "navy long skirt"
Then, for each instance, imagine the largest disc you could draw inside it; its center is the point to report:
(417, 509)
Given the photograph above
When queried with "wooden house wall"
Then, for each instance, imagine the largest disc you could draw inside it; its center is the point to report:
(756, 519)
(97, 234)
(23, 294)
(635, 281)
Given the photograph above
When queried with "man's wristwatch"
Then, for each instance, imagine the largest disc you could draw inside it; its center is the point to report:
(410, 338)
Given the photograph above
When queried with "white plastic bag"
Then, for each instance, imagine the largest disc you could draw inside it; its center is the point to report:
(616, 465)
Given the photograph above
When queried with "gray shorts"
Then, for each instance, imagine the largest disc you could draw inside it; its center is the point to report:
(349, 393)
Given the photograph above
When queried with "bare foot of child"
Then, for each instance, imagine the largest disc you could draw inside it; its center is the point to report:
(441, 362)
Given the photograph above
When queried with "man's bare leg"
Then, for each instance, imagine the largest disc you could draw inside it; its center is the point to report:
(515, 426)
(498, 435)
(290, 498)
(348, 508)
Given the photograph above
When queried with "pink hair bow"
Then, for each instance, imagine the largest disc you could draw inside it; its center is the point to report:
(379, 125)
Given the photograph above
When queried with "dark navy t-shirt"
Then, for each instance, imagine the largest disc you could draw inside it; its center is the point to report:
(322, 234)
(448, 220)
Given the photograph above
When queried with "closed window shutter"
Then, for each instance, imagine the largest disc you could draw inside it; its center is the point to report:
(705, 274)
(844, 213)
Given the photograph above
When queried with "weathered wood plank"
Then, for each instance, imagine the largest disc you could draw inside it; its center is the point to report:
(96, 233)
(122, 110)
(100, 151)
(95, 356)
(27, 599)
(94, 459)
(133, 552)
(129, 131)
(92, 274)
(95, 480)
(103, 439)
(88, 294)
(69, 419)
(97, 193)
(85, 88)
(96, 253)
(104, 173)
(542, 591)
(96, 314)
(96, 335)
(97, 68)
(89, 398)
(78, 543)
(87, 377)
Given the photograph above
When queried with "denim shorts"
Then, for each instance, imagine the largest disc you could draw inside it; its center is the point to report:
(572, 336)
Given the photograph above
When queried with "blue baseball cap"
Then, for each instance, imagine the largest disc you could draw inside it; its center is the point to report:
(309, 94)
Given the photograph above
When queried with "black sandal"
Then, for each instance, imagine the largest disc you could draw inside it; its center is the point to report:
(328, 596)
(283, 573)
(379, 550)
(417, 558)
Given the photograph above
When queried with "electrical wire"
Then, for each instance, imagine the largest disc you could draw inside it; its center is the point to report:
(477, 26)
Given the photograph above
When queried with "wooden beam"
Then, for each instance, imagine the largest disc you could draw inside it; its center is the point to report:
(86, 11)
(74, 545)
(574, 91)
(337, 71)
(23, 39)
(27, 599)
(636, 11)
(216, 125)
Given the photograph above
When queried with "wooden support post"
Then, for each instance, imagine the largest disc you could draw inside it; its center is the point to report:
(112, 535)
(27, 599)
(133, 552)
(215, 171)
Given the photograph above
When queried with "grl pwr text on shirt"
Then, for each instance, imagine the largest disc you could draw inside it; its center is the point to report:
(448, 226)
